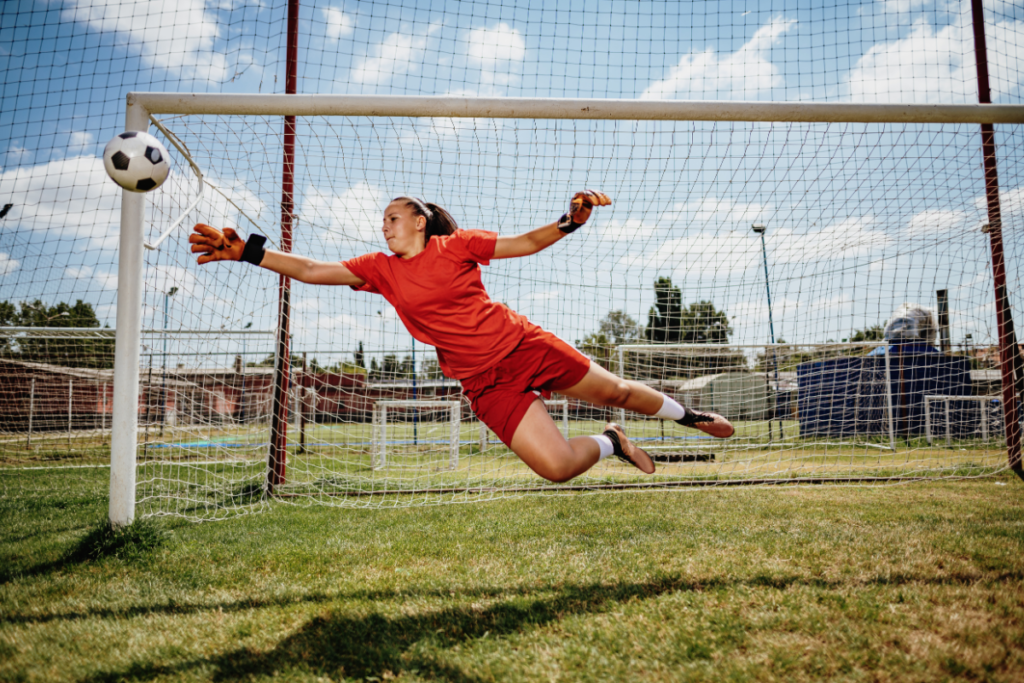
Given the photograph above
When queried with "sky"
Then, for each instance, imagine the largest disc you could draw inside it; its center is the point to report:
(860, 218)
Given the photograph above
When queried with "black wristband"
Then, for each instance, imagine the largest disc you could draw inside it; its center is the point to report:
(254, 250)
(567, 225)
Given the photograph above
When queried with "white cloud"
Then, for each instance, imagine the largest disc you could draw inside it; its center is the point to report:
(747, 314)
(80, 142)
(16, 155)
(162, 278)
(744, 74)
(7, 264)
(68, 197)
(74, 199)
(925, 66)
(930, 65)
(338, 24)
(903, 5)
(215, 208)
(399, 53)
(178, 37)
(714, 210)
(498, 51)
(1010, 201)
(630, 230)
(355, 214)
(106, 281)
(936, 223)
(847, 239)
(728, 252)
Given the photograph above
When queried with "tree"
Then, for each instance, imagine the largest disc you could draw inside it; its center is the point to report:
(360, 360)
(620, 328)
(664, 320)
(873, 333)
(269, 360)
(597, 346)
(389, 370)
(702, 323)
(79, 352)
(699, 323)
(431, 369)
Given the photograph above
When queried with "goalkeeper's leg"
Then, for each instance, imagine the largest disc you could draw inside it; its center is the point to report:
(602, 388)
(540, 445)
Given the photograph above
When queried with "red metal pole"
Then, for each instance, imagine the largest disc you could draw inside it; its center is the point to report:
(1009, 354)
(279, 418)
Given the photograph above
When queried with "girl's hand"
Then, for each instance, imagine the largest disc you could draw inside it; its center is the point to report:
(215, 245)
(579, 209)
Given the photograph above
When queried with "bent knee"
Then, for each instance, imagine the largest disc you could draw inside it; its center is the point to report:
(556, 469)
(558, 474)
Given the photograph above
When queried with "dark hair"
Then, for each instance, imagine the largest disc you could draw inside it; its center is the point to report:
(439, 221)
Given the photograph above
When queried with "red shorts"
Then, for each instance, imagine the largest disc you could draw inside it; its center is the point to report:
(542, 363)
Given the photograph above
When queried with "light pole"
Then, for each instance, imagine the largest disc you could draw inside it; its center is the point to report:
(241, 397)
(415, 413)
(163, 391)
(759, 229)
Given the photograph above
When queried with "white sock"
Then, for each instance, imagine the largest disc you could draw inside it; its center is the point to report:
(605, 444)
(670, 409)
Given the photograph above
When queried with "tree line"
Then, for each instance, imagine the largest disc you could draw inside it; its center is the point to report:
(75, 352)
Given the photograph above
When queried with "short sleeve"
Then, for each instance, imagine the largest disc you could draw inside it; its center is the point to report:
(365, 268)
(476, 246)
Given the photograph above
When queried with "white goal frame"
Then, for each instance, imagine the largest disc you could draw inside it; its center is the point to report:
(142, 106)
(379, 441)
(549, 403)
(929, 400)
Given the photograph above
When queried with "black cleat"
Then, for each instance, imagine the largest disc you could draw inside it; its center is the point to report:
(709, 423)
(626, 451)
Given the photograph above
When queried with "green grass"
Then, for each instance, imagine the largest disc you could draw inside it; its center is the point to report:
(915, 582)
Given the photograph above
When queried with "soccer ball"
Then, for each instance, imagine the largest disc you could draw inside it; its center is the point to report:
(136, 161)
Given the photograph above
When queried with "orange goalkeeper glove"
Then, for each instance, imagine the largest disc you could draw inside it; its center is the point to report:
(215, 245)
(579, 209)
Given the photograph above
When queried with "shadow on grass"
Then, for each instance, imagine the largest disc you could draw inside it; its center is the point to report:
(676, 583)
(102, 541)
(377, 645)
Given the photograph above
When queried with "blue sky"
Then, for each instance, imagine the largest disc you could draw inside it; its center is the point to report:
(861, 218)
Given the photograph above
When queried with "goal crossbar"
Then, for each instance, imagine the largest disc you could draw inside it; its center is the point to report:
(559, 108)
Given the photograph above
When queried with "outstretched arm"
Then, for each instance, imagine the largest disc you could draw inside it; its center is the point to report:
(228, 245)
(531, 242)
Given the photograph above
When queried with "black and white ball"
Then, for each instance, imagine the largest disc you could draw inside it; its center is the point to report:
(136, 161)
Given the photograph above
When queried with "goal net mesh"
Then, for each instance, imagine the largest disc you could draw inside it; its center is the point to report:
(668, 286)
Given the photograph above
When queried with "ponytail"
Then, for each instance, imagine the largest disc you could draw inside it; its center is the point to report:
(439, 221)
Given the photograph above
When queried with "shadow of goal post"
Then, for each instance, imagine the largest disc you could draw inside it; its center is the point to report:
(379, 442)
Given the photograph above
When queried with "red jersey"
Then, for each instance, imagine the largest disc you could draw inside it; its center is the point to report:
(439, 296)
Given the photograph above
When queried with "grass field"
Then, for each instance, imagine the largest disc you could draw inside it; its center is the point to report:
(914, 582)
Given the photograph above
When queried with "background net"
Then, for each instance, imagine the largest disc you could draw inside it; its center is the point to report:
(860, 218)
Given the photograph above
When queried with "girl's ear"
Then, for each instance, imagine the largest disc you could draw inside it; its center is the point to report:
(421, 223)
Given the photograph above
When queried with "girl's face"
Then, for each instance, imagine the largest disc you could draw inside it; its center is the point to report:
(404, 231)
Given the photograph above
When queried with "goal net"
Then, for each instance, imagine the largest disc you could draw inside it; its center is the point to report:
(668, 286)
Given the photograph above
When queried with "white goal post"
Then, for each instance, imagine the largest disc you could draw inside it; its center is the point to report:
(947, 416)
(142, 106)
(561, 418)
(379, 448)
